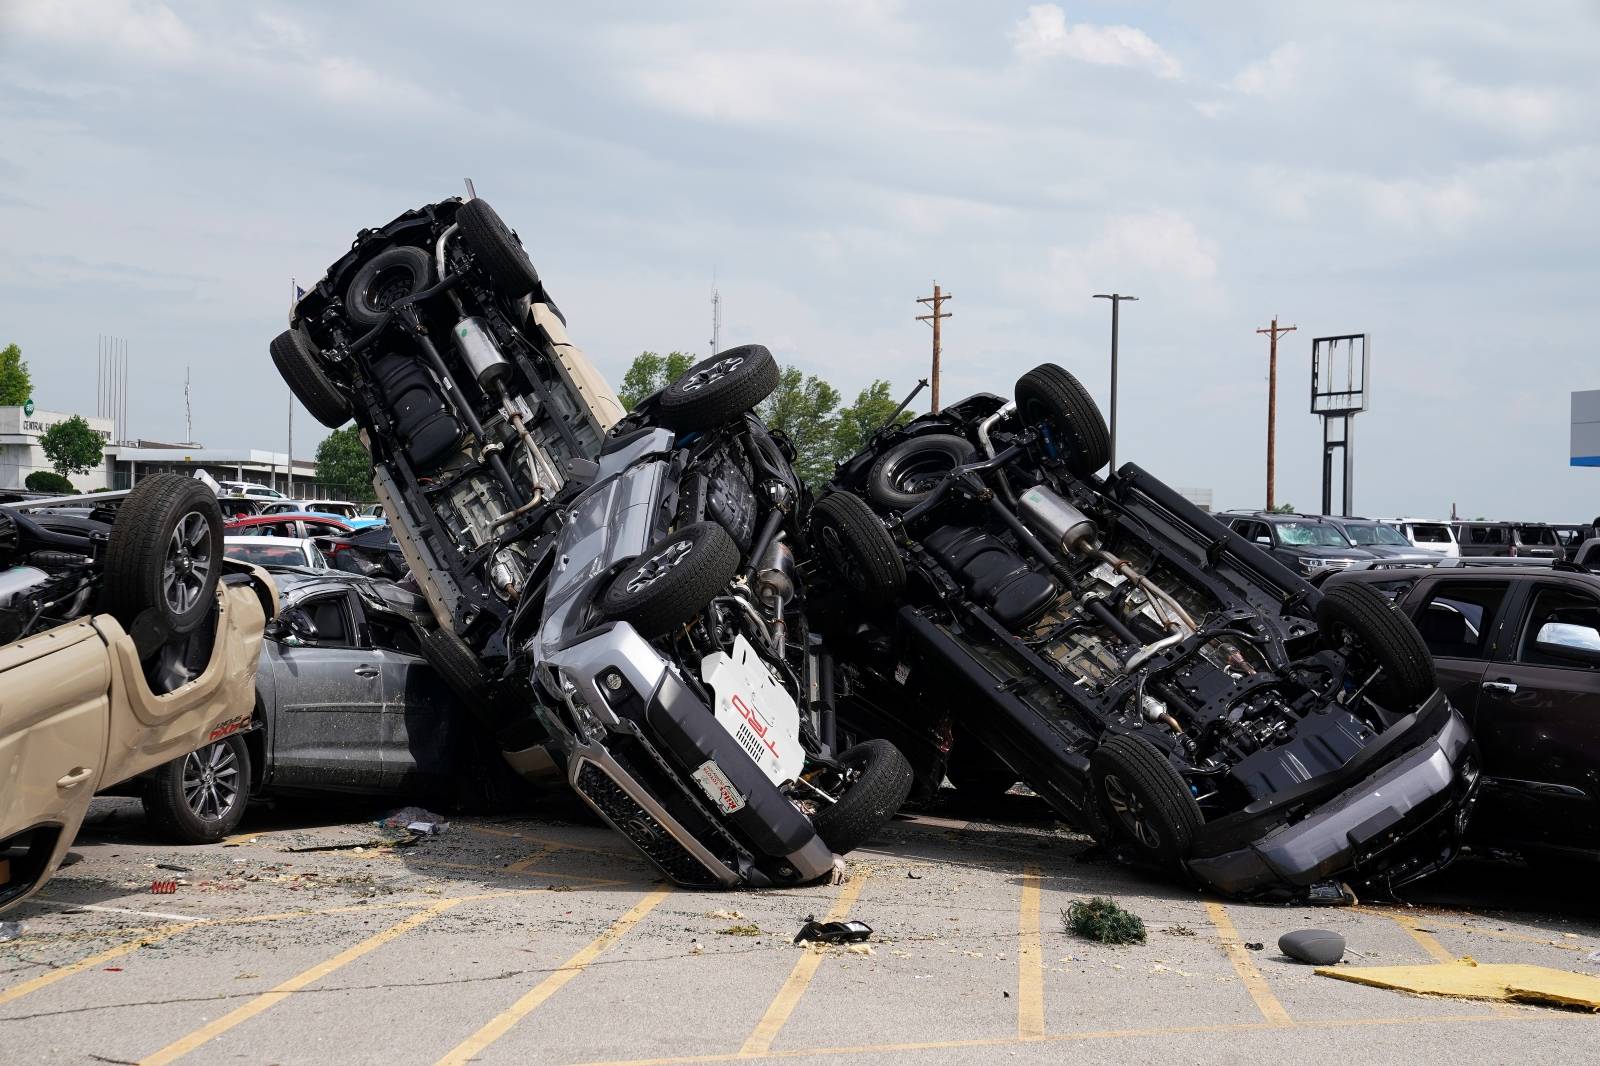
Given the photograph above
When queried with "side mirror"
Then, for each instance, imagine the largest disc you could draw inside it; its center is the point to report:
(1264, 540)
(291, 628)
(1564, 640)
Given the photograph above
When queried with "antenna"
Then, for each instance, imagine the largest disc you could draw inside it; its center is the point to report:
(188, 412)
(472, 194)
(716, 317)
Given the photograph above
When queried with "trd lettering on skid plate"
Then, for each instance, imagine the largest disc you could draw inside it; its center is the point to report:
(757, 723)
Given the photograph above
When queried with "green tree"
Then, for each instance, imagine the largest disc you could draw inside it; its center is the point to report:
(649, 372)
(1283, 508)
(16, 385)
(856, 424)
(47, 481)
(72, 446)
(804, 408)
(343, 463)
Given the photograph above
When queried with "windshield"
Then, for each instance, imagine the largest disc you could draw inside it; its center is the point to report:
(1376, 534)
(267, 554)
(1311, 534)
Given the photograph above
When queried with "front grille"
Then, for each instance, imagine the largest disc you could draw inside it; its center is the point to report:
(640, 827)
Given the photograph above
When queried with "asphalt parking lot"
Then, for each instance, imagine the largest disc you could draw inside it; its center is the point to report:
(545, 940)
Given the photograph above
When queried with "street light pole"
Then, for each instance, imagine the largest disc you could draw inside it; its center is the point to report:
(1116, 299)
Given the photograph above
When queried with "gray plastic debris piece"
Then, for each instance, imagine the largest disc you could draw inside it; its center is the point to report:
(416, 820)
(10, 930)
(1319, 947)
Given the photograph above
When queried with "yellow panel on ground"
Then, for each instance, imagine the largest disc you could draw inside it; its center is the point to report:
(1467, 979)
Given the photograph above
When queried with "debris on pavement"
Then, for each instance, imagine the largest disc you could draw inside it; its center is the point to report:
(832, 932)
(747, 929)
(163, 888)
(10, 931)
(417, 820)
(1104, 921)
(174, 867)
(1255, 945)
(1467, 979)
(1319, 947)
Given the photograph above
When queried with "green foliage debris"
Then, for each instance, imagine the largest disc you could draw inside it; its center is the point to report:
(1102, 920)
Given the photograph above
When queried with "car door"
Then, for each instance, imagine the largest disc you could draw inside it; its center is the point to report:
(329, 691)
(54, 711)
(1538, 721)
(1459, 618)
(417, 736)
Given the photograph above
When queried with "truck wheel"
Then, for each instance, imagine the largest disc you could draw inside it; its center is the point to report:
(719, 389)
(672, 581)
(904, 475)
(453, 659)
(1145, 800)
(877, 781)
(497, 248)
(200, 798)
(1357, 618)
(297, 361)
(165, 554)
(853, 542)
(390, 276)
(1051, 395)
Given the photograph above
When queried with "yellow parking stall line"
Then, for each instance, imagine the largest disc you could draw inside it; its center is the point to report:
(1030, 961)
(526, 863)
(503, 1022)
(783, 1004)
(1439, 953)
(45, 980)
(1254, 983)
(271, 998)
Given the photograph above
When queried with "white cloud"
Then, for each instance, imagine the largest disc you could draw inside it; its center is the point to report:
(1273, 75)
(1154, 251)
(151, 31)
(1043, 33)
(1512, 109)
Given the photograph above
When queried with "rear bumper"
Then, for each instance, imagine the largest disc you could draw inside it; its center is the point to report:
(1401, 822)
(635, 739)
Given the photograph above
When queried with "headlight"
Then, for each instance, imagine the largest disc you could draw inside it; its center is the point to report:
(1311, 565)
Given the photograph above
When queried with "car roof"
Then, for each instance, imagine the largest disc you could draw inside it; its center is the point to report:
(284, 516)
(299, 542)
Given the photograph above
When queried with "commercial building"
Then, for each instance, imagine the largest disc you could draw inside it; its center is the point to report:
(134, 460)
(1586, 428)
(20, 454)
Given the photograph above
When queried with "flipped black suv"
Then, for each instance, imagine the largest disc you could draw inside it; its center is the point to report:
(1163, 682)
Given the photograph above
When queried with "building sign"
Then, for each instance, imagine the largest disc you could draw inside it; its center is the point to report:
(27, 407)
(30, 425)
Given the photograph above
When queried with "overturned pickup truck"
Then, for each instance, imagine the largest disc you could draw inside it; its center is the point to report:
(620, 598)
(1165, 685)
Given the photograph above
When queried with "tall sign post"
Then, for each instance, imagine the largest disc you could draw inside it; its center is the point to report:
(1339, 376)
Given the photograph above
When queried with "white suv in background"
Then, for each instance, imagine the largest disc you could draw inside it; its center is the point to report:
(1427, 534)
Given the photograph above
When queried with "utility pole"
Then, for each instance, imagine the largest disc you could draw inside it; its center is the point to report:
(1116, 299)
(1273, 332)
(936, 301)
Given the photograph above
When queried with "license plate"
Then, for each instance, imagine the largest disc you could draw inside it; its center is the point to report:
(716, 785)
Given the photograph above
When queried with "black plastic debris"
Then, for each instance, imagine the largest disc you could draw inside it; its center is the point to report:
(1255, 945)
(174, 867)
(1319, 947)
(417, 820)
(832, 932)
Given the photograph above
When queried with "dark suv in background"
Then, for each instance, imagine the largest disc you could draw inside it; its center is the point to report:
(1521, 540)
(1310, 545)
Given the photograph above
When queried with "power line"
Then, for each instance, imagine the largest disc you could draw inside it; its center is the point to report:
(936, 301)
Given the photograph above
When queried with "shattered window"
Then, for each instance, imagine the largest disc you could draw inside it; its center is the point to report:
(1457, 620)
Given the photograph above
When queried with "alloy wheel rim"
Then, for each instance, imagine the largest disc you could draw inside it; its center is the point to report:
(1130, 810)
(655, 568)
(188, 563)
(211, 781)
(715, 372)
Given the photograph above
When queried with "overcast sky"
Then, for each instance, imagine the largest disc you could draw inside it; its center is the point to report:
(1425, 173)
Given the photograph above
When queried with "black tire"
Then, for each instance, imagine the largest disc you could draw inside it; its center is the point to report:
(187, 806)
(1385, 638)
(883, 781)
(718, 389)
(1145, 800)
(672, 581)
(146, 537)
(455, 662)
(390, 276)
(297, 361)
(1051, 395)
(904, 475)
(497, 248)
(854, 544)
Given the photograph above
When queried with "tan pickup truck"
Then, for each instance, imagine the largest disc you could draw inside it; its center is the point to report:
(129, 641)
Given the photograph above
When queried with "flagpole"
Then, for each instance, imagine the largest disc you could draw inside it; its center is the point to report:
(289, 463)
